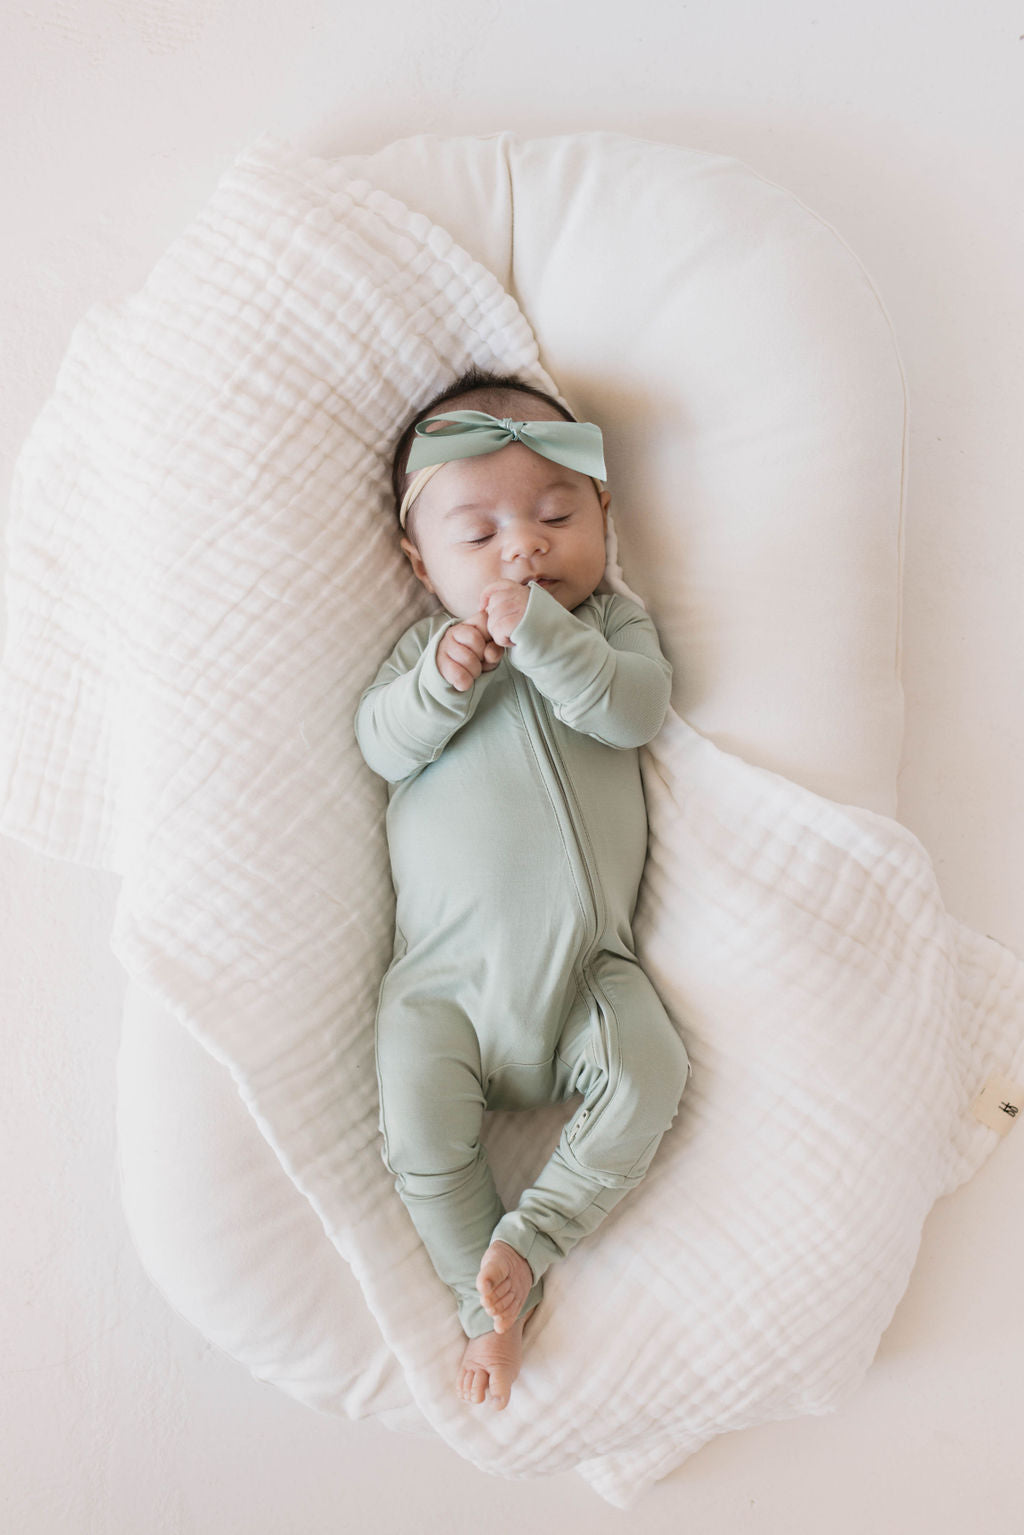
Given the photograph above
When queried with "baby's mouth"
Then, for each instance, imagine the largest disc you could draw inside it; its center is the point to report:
(540, 580)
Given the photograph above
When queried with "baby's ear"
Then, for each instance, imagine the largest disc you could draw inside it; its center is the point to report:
(415, 559)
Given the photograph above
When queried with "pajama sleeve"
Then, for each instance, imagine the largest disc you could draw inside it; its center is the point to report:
(409, 713)
(612, 685)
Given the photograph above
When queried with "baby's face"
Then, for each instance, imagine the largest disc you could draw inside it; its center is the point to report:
(508, 516)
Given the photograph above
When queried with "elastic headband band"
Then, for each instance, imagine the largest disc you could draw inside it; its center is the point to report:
(469, 433)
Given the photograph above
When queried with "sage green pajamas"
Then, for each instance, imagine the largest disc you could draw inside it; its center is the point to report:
(517, 832)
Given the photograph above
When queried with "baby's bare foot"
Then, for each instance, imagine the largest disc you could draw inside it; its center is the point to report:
(504, 1281)
(490, 1365)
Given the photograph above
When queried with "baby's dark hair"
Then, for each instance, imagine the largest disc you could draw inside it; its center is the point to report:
(494, 386)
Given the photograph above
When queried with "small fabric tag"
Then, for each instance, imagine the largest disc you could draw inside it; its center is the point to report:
(999, 1104)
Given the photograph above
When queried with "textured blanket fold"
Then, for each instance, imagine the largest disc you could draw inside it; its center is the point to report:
(202, 577)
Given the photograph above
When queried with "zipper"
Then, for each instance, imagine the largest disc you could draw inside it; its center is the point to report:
(574, 816)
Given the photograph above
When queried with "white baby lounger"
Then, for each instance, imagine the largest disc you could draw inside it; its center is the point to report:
(203, 575)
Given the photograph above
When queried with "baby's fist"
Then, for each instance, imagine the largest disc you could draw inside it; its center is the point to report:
(504, 602)
(464, 651)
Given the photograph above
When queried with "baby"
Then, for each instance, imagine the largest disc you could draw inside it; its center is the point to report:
(507, 727)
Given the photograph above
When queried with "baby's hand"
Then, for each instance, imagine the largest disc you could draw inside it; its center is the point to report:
(465, 650)
(504, 603)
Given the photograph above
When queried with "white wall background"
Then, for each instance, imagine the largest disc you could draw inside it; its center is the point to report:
(902, 123)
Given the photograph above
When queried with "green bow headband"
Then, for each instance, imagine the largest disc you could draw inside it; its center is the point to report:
(468, 433)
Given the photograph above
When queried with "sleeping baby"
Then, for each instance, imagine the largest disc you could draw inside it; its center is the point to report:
(507, 728)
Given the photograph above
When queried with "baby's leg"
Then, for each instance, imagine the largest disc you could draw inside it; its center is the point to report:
(631, 1067)
(432, 1105)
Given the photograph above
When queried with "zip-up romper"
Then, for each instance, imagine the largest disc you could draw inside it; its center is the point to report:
(518, 833)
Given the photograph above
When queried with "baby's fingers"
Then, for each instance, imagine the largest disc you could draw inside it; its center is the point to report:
(489, 653)
(470, 634)
(492, 590)
(454, 672)
(457, 661)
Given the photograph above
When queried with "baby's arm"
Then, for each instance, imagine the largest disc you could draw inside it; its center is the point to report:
(613, 686)
(415, 704)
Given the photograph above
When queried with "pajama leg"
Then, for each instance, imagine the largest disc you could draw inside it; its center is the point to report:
(432, 1105)
(631, 1067)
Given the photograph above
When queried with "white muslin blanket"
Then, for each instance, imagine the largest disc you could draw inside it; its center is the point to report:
(202, 577)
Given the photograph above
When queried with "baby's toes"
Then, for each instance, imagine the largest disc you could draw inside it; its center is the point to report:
(494, 1290)
(498, 1305)
(502, 1301)
(474, 1386)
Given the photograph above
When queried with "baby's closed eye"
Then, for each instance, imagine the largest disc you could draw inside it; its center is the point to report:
(476, 541)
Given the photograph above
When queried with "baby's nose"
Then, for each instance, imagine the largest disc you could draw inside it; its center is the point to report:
(523, 540)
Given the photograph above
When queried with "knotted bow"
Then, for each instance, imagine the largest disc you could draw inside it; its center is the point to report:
(467, 433)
